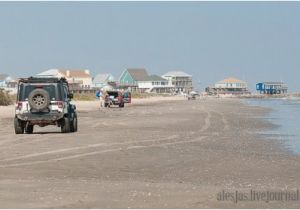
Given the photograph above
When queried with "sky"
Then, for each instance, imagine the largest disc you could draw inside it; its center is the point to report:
(252, 41)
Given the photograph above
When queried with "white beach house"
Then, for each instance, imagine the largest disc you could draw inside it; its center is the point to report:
(181, 81)
(77, 78)
(229, 85)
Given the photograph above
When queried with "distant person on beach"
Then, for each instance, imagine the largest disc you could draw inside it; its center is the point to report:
(99, 95)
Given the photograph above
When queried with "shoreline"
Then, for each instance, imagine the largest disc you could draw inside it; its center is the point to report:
(268, 132)
(284, 115)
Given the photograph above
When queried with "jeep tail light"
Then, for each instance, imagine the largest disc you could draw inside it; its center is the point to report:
(60, 104)
(19, 105)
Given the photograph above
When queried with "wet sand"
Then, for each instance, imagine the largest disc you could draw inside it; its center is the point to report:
(168, 153)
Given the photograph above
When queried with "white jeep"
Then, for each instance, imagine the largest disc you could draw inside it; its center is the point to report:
(44, 101)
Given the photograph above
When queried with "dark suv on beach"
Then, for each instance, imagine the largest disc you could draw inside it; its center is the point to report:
(44, 101)
(114, 98)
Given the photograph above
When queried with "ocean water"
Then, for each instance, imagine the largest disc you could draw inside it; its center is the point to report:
(286, 115)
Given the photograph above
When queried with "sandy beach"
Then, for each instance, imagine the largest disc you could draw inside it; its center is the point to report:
(154, 153)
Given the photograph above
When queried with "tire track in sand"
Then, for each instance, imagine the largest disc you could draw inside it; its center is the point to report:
(207, 122)
(101, 152)
(223, 120)
(84, 147)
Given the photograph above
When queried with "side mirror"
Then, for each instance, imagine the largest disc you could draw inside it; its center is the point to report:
(70, 95)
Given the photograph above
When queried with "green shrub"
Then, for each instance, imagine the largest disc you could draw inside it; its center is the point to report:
(84, 97)
(148, 95)
(5, 99)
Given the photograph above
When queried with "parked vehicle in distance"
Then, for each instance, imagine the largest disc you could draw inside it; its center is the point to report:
(114, 98)
(44, 101)
(193, 95)
(127, 97)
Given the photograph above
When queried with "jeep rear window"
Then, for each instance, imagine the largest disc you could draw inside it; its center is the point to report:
(26, 90)
(115, 94)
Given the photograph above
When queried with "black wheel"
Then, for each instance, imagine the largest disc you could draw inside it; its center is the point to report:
(19, 129)
(65, 127)
(39, 99)
(29, 129)
(106, 105)
(74, 124)
(121, 105)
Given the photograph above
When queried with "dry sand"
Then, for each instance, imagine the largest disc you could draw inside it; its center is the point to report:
(167, 153)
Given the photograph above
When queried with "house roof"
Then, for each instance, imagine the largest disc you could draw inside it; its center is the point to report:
(176, 74)
(138, 74)
(102, 78)
(60, 72)
(273, 83)
(3, 77)
(156, 78)
(231, 80)
(50, 72)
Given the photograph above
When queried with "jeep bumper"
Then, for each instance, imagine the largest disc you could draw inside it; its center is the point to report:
(45, 118)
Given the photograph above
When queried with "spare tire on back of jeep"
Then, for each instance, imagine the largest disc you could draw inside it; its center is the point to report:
(39, 99)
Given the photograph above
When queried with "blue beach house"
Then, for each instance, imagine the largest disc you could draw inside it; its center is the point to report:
(271, 88)
(130, 78)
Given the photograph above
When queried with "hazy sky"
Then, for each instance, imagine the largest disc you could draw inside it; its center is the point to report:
(253, 41)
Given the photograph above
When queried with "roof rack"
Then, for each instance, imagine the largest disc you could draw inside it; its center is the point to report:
(43, 80)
